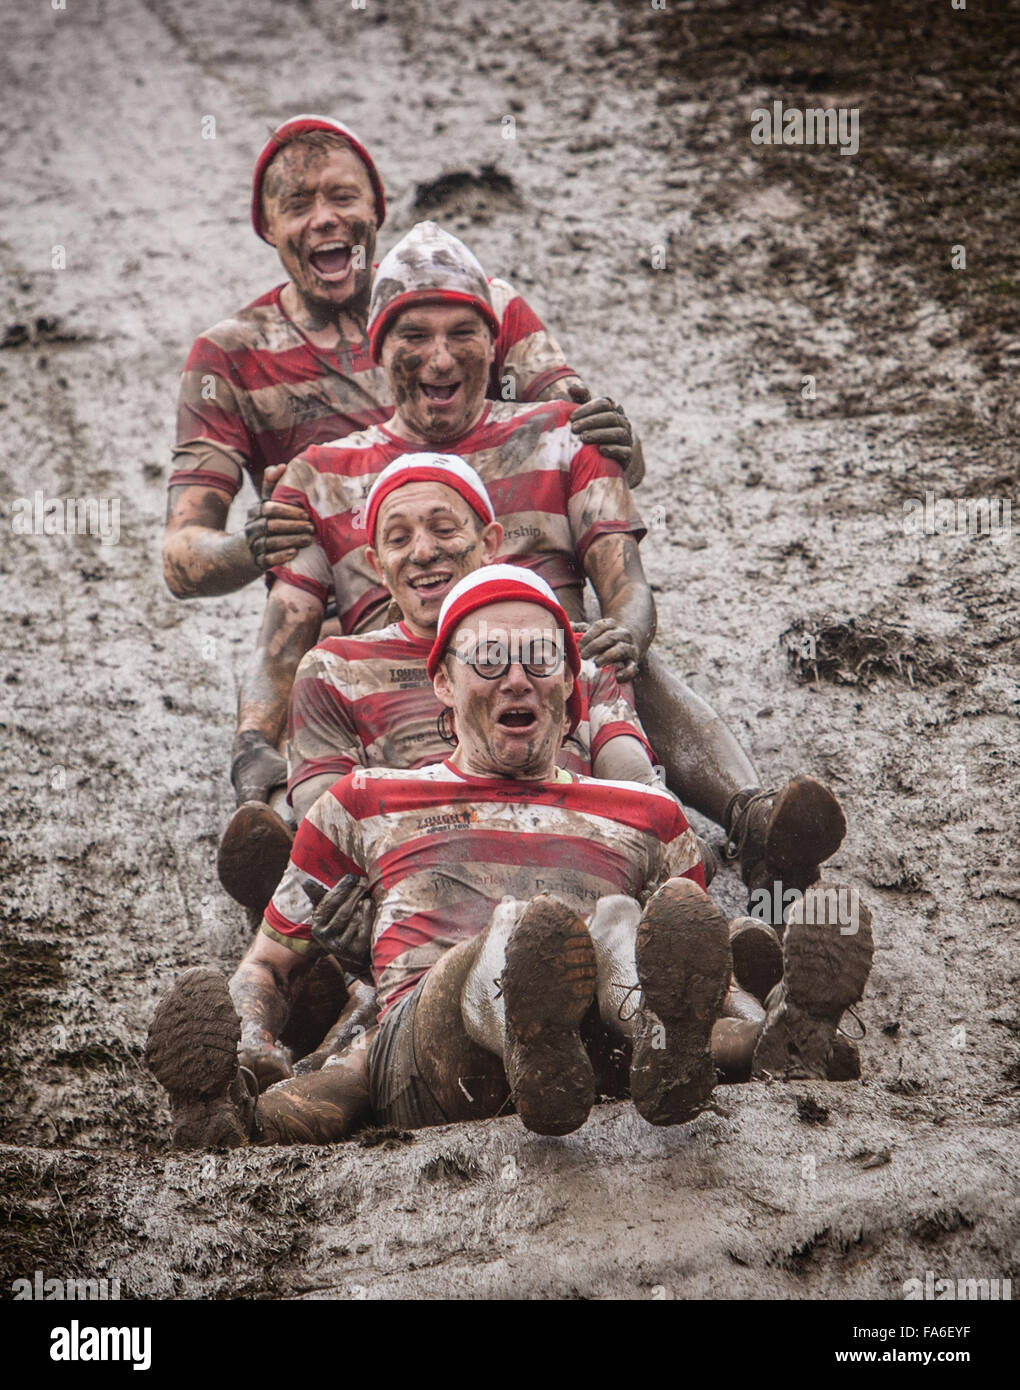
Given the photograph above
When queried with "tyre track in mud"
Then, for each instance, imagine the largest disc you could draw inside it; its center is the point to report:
(109, 875)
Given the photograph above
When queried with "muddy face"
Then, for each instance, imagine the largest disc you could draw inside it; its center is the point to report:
(427, 538)
(437, 359)
(320, 215)
(511, 726)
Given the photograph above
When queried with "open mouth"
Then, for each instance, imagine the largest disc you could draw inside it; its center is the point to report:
(516, 719)
(439, 394)
(331, 260)
(430, 583)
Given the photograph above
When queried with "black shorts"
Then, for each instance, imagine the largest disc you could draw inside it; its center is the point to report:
(398, 1093)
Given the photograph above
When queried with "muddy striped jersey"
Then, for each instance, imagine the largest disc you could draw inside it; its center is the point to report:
(553, 494)
(440, 851)
(256, 388)
(368, 702)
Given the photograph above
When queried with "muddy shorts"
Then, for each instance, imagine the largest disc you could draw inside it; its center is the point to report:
(398, 1093)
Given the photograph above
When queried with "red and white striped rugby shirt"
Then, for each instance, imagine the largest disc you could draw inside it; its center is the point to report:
(368, 702)
(553, 494)
(440, 850)
(259, 390)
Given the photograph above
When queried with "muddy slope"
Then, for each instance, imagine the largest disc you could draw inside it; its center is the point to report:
(699, 280)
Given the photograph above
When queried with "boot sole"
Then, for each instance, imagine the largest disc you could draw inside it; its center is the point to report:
(684, 966)
(806, 828)
(548, 987)
(253, 855)
(192, 1052)
(825, 973)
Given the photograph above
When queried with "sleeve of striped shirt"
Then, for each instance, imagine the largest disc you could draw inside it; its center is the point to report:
(209, 407)
(599, 501)
(528, 358)
(611, 713)
(328, 845)
(322, 735)
(310, 569)
(681, 857)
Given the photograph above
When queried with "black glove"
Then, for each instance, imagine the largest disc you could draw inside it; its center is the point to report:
(275, 531)
(257, 767)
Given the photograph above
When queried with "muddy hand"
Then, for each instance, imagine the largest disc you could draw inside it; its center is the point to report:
(274, 531)
(257, 767)
(603, 423)
(608, 643)
(342, 923)
(266, 1061)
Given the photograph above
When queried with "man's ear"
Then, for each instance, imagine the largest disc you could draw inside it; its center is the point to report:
(492, 539)
(373, 560)
(441, 685)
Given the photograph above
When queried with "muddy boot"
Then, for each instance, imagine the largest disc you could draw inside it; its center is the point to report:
(825, 970)
(757, 956)
(684, 964)
(845, 1061)
(192, 1051)
(548, 985)
(253, 855)
(781, 837)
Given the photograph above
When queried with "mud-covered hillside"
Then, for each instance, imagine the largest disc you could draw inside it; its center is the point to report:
(788, 330)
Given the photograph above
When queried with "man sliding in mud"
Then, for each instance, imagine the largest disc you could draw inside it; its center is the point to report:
(567, 514)
(367, 701)
(293, 368)
(512, 900)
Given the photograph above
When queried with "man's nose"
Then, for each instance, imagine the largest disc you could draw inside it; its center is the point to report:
(516, 679)
(440, 358)
(324, 214)
(423, 546)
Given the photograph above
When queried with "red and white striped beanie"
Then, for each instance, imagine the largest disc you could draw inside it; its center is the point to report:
(427, 266)
(448, 469)
(498, 584)
(290, 130)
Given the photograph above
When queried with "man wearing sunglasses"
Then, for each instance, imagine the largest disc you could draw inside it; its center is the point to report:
(512, 902)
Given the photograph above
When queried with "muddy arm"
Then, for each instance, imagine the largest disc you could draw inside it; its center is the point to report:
(624, 632)
(262, 988)
(289, 628)
(199, 558)
(359, 1014)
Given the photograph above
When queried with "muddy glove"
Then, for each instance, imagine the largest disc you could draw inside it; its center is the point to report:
(274, 531)
(257, 767)
(342, 924)
(604, 424)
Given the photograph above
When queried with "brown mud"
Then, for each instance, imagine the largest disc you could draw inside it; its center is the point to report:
(699, 279)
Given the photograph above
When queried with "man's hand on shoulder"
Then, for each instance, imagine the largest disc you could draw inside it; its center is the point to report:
(275, 531)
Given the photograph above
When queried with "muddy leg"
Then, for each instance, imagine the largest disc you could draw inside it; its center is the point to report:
(614, 927)
(515, 997)
(705, 765)
(321, 1107)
